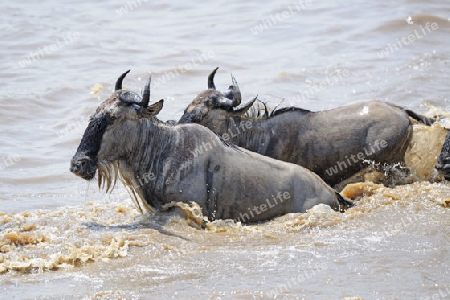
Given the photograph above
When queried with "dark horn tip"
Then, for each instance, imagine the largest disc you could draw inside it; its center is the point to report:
(146, 93)
(124, 74)
(236, 92)
(120, 79)
(234, 81)
(211, 84)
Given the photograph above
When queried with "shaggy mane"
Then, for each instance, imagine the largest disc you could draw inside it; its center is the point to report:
(288, 109)
(108, 172)
(260, 110)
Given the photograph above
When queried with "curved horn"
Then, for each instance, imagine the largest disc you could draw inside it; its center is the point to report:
(232, 97)
(119, 80)
(211, 84)
(225, 102)
(236, 92)
(146, 93)
(247, 106)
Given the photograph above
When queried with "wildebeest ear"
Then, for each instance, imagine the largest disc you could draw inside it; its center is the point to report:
(153, 109)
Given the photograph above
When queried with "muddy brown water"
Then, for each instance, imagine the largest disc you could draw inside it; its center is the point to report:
(60, 238)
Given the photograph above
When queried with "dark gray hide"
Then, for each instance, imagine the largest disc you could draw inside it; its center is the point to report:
(443, 162)
(332, 143)
(159, 164)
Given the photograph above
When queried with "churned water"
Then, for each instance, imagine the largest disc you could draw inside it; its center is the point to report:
(60, 238)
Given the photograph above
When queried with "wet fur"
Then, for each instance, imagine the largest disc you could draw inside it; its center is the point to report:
(317, 140)
(225, 181)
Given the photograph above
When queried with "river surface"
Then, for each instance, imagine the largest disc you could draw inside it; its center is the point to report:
(61, 238)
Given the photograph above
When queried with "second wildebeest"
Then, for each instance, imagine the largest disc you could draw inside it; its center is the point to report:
(189, 163)
(443, 162)
(332, 143)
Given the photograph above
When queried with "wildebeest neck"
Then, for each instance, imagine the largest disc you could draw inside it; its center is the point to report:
(143, 168)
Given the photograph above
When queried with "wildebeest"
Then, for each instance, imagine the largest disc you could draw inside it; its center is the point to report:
(332, 143)
(189, 163)
(443, 162)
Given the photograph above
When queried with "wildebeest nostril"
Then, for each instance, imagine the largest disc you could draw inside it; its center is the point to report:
(78, 165)
(83, 167)
(74, 168)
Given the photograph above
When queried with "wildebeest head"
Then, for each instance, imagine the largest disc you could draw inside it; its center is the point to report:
(99, 147)
(215, 104)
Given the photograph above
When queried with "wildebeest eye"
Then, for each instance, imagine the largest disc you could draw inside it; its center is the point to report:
(136, 107)
(214, 100)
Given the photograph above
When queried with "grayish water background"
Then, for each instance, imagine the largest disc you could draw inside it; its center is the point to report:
(292, 55)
